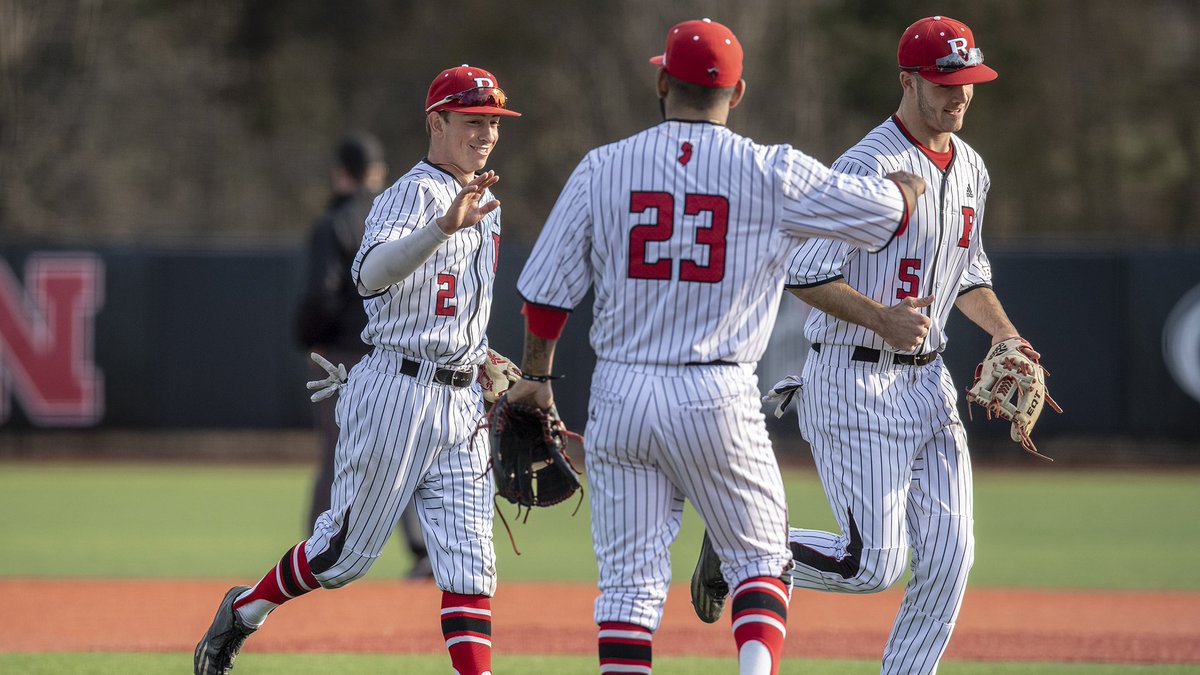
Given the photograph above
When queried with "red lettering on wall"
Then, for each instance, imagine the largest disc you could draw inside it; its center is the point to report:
(47, 340)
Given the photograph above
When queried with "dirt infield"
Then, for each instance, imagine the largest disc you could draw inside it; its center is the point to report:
(399, 617)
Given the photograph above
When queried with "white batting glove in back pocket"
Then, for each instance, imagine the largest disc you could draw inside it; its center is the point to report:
(784, 392)
(323, 389)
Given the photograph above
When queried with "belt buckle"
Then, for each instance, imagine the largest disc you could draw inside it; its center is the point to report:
(462, 378)
(453, 378)
(915, 359)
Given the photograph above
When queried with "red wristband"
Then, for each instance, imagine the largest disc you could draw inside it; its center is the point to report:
(544, 321)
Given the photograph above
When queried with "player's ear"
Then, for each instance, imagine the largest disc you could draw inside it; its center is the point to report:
(434, 123)
(661, 84)
(739, 90)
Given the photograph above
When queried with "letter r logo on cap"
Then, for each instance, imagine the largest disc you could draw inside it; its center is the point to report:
(956, 45)
(487, 82)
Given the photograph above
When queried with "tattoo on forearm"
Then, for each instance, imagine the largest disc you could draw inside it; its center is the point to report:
(538, 353)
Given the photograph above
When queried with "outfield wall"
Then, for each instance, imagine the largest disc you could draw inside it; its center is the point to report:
(132, 338)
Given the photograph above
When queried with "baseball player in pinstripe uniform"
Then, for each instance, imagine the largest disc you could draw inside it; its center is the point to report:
(683, 230)
(408, 413)
(876, 402)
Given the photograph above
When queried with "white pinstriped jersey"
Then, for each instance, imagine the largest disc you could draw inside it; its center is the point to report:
(440, 312)
(941, 253)
(704, 209)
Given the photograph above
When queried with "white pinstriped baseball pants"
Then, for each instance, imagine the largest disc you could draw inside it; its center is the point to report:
(892, 456)
(657, 435)
(408, 438)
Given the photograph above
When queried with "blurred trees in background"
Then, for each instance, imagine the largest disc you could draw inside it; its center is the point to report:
(186, 122)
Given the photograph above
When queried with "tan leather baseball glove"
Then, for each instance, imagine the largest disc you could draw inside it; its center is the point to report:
(1011, 384)
(496, 375)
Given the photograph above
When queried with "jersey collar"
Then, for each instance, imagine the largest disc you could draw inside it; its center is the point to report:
(708, 122)
(435, 167)
(936, 158)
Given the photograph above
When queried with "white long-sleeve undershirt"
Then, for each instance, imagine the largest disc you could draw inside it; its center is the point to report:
(392, 261)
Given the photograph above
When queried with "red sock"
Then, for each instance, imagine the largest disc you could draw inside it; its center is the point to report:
(290, 579)
(467, 627)
(760, 615)
(624, 648)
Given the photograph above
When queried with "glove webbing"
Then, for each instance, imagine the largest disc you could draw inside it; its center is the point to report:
(548, 434)
(1002, 389)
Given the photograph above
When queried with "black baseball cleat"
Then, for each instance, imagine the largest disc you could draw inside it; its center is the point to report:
(223, 641)
(709, 590)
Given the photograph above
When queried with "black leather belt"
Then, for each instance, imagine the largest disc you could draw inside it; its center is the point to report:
(447, 376)
(869, 355)
(718, 362)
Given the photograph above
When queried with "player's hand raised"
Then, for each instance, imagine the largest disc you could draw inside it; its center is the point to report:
(903, 326)
(466, 210)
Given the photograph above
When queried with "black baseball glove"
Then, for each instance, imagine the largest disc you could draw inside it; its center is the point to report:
(529, 460)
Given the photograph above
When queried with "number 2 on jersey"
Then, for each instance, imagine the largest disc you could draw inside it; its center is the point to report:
(663, 227)
(447, 284)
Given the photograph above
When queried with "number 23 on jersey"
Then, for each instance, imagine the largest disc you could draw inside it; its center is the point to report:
(663, 228)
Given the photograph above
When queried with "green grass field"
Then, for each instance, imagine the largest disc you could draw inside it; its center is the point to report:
(1042, 528)
(1046, 527)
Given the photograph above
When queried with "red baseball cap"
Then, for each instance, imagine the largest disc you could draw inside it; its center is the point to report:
(468, 90)
(702, 52)
(942, 50)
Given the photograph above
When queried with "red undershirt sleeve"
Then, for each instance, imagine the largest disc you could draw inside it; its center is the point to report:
(904, 217)
(544, 321)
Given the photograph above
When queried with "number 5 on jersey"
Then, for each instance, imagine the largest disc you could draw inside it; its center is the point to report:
(910, 278)
(663, 228)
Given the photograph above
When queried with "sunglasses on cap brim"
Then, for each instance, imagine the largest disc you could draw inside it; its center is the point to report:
(952, 62)
(492, 97)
